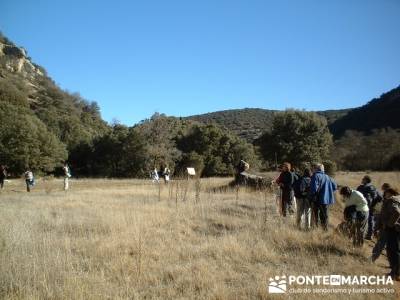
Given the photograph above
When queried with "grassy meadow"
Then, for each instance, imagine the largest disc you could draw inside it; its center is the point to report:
(131, 239)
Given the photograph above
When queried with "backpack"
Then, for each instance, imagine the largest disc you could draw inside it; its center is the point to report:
(369, 192)
(296, 188)
(301, 187)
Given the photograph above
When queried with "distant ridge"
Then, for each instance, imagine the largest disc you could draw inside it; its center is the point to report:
(378, 113)
(250, 123)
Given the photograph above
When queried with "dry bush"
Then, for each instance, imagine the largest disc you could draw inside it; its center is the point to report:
(130, 239)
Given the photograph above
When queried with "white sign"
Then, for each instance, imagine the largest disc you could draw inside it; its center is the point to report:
(191, 171)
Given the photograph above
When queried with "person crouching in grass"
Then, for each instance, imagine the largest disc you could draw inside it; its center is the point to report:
(357, 208)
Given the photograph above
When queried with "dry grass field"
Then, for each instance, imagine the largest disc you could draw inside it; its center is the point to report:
(131, 239)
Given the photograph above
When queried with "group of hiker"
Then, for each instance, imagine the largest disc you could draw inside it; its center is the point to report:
(311, 193)
(164, 173)
(368, 213)
(30, 179)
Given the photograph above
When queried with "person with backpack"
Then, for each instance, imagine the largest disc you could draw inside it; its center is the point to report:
(322, 189)
(390, 220)
(29, 180)
(371, 195)
(356, 214)
(286, 181)
(301, 189)
(3, 175)
(379, 232)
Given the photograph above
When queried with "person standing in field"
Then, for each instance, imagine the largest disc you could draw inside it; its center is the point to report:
(285, 181)
(166, 174)
(29, 180)
(359, 217)
(3, 175)
(67, 175)
(278, 192)
(390, 220)
(322, 189)
(154, 175)
(301, 192)
(381, 235)
(371, 195)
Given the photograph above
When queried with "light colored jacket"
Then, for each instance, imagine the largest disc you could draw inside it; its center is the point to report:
(357, 199)
(28, 175)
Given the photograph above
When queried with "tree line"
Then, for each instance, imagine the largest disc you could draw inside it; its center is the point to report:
(42, 139)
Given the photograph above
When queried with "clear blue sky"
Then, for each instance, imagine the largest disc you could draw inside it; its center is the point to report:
(188, 57)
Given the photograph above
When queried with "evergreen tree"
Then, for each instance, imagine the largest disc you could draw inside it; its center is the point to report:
(298, 137)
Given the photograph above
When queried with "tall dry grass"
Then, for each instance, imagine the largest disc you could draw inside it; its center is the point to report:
(130, 239)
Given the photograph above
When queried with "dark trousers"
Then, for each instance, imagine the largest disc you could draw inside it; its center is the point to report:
(371, 225)
(380, 245)
(1, 183)
(393, 250)
(28, 185)
(287, 202)
(320, 215)
(359, 228)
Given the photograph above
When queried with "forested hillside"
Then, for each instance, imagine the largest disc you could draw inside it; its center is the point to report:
(40, 123)
(251, 123)
(379, 113)
(42, 126)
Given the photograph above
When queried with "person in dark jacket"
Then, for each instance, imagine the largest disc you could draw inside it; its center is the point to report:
(381, 234)
(391, 225)
(322, 191)
(303, 200)
(285, 181)
(371, 195)
(3, 175)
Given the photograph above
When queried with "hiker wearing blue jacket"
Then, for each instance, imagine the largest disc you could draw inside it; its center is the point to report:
(322, 193)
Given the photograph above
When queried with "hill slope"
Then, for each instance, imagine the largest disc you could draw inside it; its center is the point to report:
(380, 112)
(30, 101)
(250, 123)
(247, 123)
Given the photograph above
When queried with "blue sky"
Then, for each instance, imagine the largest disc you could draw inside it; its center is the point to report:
(188, 57)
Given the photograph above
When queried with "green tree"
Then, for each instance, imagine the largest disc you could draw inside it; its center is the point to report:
(161, 133)
(220, 151)
(119, 153)
(25, 141)
(356, 151)
(296, 136)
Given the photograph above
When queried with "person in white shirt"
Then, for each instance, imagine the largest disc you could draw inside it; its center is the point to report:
(356, 214)
(67, 175)
(154, 175)
(166, 174)
(29, 180)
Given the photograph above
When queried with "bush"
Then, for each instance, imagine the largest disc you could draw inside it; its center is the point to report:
(330, 167)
